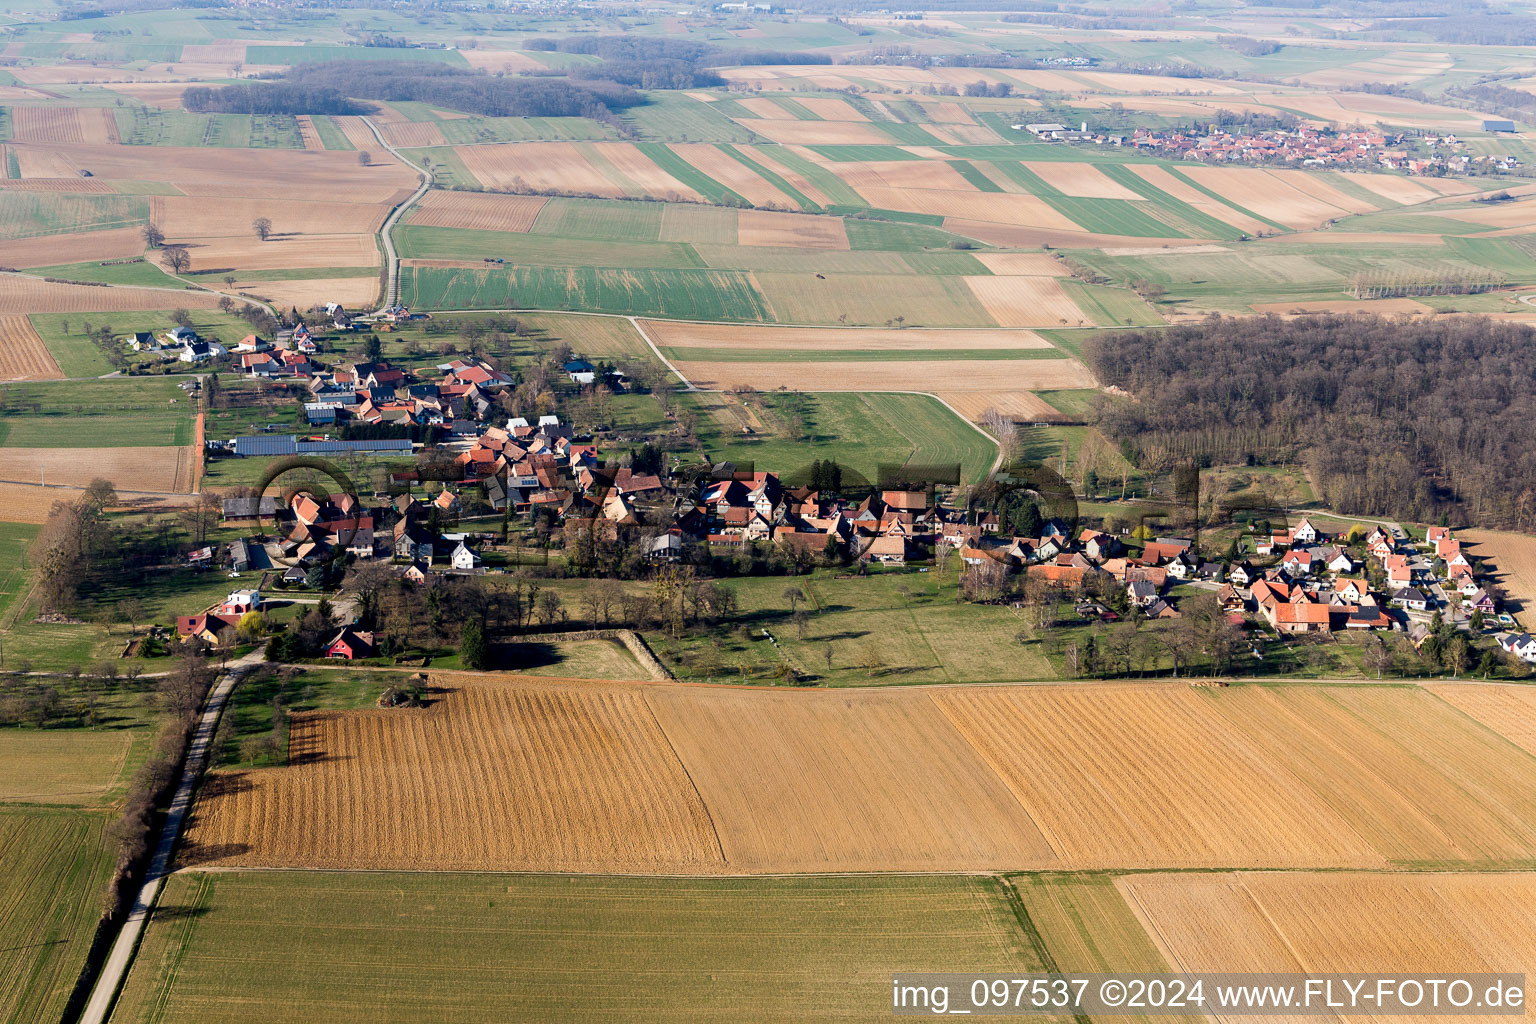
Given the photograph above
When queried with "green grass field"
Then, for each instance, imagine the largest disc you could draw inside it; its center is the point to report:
(670, 117)
(56, 870)
(15, 538)
(31, 214)
(78, 356)
(687, 294)
(859, 431)
(118, 413)
(331, 135)
(467, 131)
(466, 947)
(891, 628)
(141, 273)
(152, 126)
(542, 249)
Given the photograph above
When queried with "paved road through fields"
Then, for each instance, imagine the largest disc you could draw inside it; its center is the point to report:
(110, 980)
(392, 261)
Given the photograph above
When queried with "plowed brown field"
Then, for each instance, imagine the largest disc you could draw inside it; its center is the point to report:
(183, 217)
(1297, 777)
(882, 375)
(1509, 711)
(1016, 405)
(790, 230)
(1026, 301)
(246, 252)
(413, 134)
(1078, 179)
(164, 469)
(20, 294)
(479, 211)
(74, 247)
(587, 776)
(1340, 922)
(764, 156)
(50, 125)
(23, 356)
(1513, 556)
(28, 503)
(735, 176)
(307, 132)
(1266, 195)
(296, 171)
(684, 334)
(356, 132)
(817, 784)
(307, 292)
(570, 778)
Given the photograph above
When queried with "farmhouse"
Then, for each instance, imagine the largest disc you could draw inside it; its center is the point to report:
(351, 643)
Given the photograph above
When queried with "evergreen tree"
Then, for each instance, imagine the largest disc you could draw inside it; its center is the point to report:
(473, 650)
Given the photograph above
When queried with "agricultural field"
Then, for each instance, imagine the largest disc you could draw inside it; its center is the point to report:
(224, 944)
(862, 260)
(1513, 560)
(90, 414)
(1321, 923)
(58, 865)
(23, 355)
(1308, 777)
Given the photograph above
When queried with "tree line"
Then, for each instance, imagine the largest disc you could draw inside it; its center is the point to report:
(270, 98)
(1405, 419)
(335, 87)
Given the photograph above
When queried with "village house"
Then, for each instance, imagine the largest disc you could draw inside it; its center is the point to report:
(351, 643)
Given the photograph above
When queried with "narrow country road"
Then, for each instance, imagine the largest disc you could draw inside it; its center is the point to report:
(392, 261)
(110, 980)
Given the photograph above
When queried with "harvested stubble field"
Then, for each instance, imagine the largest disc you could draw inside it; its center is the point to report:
(880, 375)
(20, 294)
(164, 469)
(682, 334)
(236, 946)
(477, 211)
(1336, 922)
(23, 356)
(677, 779)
